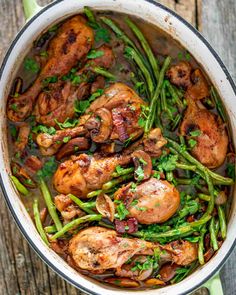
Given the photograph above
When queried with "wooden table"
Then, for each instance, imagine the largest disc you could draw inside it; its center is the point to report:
(21, 271)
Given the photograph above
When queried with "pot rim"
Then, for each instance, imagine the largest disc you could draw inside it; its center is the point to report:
(2, 185)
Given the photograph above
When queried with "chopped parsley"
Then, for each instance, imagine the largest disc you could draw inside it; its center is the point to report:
(151, 262)
(13, 131)
(43, 53)
(43, 129)
(95, 54)
(102, 34)
(167, 163)
(143, 116)
(122, 212)
(31, 65)
(195, 133)
(80, 106)
(230, 169)
(192, 143)
(68, 123)
(139, 173)
(66, 139)
(49, 80)
(48, 168)
(14, 107)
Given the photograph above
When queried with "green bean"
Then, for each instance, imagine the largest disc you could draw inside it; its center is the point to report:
(119, 33)
(145, 46)
(81, 204)
(104, 224)
(103, 72)
(186, 167)
(174, 232)
(217, 227)
(50, 205)
(218, 104)
(108, 185)
(19, 186)
(151, 115)
(211, 203)
(174, 94)
(88, 12)
(222, 220)
(213, 235)
(94, 193)
(135, 56)
(38, 222)
(51, 229)
(201, 246)
(176, 121)
(218, 178)
(204, 197)
(123, 172)
(71, 225)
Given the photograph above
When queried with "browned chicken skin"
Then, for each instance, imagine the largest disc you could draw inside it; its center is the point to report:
(72, 42)
(117, 99)
(125, 106)
(212, 143)
(58, 103)
(156, 201)
(100, 249)
(83, 174)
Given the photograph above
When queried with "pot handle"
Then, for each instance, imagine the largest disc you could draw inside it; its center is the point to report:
(214, 286)
(31, 7)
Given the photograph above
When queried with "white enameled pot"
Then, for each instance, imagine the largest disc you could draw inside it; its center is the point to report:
(178, 29)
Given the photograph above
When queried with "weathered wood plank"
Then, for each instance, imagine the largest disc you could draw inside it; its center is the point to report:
(218, 26)
(21, 271)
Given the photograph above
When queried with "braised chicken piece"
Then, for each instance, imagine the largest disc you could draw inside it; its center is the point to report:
(72, 42)
(180, 74)
(58, 103)
(47, 140)
(199, 89)
(151, 143)
(125, 107)
(98, 249)
(153, 201)
(83, 174)
(22, 139)
(211, 140)
(67, 208)
(182, 252)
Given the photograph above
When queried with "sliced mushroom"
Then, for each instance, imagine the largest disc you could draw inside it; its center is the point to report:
(74, 145)
(105, 206)
(122, 282)
(199, 89)
(143, 160)
(221, 198)
(154, 282)
(153, 142)
(180, 74)
(33, 164)
(100, 125)
(23, 136)
(22, 175)
(168, 271)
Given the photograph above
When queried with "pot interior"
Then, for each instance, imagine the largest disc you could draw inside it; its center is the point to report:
(189, 39)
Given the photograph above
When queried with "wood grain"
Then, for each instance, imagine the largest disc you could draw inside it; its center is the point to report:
(21, 271)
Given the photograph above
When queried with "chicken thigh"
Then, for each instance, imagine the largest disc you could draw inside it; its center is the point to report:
(83, 174)
(153, 201)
